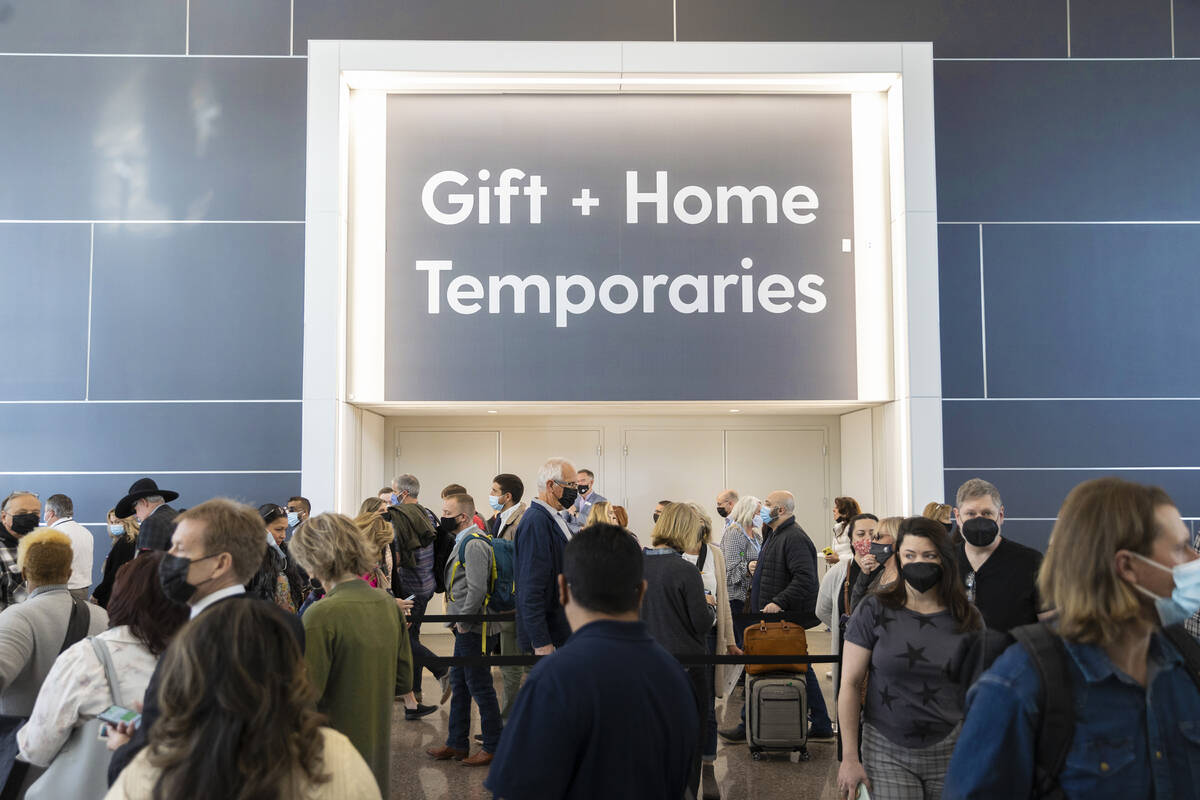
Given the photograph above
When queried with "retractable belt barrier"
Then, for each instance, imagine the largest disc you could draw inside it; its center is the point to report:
(686, 660)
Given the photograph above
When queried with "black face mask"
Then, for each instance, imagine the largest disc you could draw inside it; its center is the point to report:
(568, 496)
(949, 527)
(980, 531)
(172, 574)
(881, 551)
(24, 523)
(922, 575)
(655, 515)
(448, 524)
(582, 491)
(722, 512)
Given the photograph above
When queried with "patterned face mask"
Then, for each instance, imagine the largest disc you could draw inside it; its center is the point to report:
(862, 546)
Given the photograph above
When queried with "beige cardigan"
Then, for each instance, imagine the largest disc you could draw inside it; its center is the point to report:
(724, 617)
(350, 777)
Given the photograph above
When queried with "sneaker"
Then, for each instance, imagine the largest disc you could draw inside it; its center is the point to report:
(736, 734)
(419, 711)
(821, 735)
(445, 684)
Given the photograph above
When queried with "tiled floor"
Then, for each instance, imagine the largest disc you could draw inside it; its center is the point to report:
(417, 777)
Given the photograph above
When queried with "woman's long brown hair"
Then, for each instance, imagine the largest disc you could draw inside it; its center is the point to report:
(950, 590)
(238, 718)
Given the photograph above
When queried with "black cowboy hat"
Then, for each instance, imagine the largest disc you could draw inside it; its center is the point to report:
(142, 487)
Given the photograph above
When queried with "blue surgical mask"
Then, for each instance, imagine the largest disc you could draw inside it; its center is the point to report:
(1185, 598)
(764, 516)
(494, 502)
(293, 518)
(394, 499)
(116, 529)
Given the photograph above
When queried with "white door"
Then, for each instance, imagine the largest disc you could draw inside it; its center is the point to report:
(760, 462)
(522, 452)
(439, 458)
(676, 465)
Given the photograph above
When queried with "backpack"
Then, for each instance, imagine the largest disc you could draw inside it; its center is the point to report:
(1056, 727)
(443, 546)
(501, 596)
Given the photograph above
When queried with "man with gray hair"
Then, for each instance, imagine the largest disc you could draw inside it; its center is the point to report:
(1000, 574)
(540, 541)
(19, 514)
(60, 514)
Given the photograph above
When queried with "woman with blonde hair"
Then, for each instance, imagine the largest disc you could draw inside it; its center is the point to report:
(1121, 576)
(740, 545)
(124, 534)
(677, 610)
(377, 531)
(603, 512)
(879, 569)
(238, 719)
(357, 645)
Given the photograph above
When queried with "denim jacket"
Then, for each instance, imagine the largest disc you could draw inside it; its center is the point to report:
(1130, 741)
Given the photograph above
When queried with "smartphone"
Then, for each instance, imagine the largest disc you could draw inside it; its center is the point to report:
(410, 597)
(828, 551)
(115, 715)
(862, 794)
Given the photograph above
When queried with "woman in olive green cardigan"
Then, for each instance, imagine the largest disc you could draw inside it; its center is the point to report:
(357, 645)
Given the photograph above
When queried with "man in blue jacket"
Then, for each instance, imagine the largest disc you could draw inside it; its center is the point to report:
(540, 541)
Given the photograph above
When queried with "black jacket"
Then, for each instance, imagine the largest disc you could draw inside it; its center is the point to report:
(788, 564)
(157, 529)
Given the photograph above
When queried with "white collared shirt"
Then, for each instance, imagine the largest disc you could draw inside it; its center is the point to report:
(507, 513)
(554, 513)
(81, 551)
(219, 594)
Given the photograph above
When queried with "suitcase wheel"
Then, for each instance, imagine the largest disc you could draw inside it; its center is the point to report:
(756, 755)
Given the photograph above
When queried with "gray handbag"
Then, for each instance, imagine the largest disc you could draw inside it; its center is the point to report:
(80, 770)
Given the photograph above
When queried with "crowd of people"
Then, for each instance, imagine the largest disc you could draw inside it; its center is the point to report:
(235, 652)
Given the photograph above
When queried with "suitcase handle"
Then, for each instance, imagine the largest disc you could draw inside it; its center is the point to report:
(762, 625)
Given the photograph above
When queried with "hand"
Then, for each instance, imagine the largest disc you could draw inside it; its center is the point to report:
(118, 736)
(832, 558)
(406, 605)
(850, 775)
(772, 608)
(544, 650)
(734, 650)
(868, 563)
(750, 566)
(712, 601)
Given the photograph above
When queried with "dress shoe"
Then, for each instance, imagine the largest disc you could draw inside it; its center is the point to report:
(480, 759)
(736, 735)
(419, 711)
(446, 753)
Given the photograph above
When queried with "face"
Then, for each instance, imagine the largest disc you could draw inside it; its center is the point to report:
(385, 497)
(569, 478)
(1170, 549)
(504, 497)
(916, 549)
(278, 529)
(878, 535)
(658, 510)
(585, 483)
(298, 507)
(612, 516)
(21, 504)
(450, 509)
(140, 509)
(726, 502)
(112, 518)
(982, 506)
(188, 542)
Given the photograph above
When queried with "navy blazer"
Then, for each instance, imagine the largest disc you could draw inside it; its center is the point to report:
(540, 544)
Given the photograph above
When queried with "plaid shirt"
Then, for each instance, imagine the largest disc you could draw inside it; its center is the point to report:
(12, 587)
(1192, 623)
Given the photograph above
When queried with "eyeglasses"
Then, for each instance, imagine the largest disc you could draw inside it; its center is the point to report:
(571, 485)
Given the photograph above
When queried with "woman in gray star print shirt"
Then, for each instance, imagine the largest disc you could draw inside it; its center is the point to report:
(909, 637)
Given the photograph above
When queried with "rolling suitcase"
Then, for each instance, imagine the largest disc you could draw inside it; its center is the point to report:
(777, 714)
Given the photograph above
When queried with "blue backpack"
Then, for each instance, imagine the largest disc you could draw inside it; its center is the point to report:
(501, 595)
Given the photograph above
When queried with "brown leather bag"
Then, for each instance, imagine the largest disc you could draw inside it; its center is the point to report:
(775, 639)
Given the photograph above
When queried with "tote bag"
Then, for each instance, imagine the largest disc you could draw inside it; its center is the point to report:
(80, 770)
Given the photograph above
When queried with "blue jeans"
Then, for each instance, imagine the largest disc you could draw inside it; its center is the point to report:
(420, 652)
(472, 683)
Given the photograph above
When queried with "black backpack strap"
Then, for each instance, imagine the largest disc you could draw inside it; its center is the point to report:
(1056, 729)
(703, 557)
(1188, 647)
(77, 625)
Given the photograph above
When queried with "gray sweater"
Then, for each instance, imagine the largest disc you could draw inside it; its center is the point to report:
(467, 589)
(31, 636)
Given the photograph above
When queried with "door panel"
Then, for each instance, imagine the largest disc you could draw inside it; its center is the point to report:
(671, 465)
(760, 462)
(522, 452)
(439, 458)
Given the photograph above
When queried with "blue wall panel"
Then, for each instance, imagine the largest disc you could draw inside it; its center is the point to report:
(1067, 140)
(1121, 28)
(530, 20)
(1187, 28)
(153, 138)
(44, 286)
(978, 29)
(1083, 433)
(236, 27)
(959, 305)
(1091, 311)
(86, 437)
(195, 336)
(110, 26)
